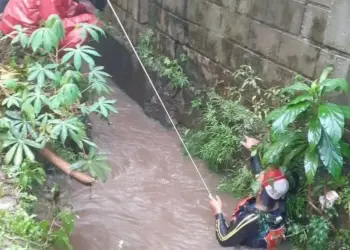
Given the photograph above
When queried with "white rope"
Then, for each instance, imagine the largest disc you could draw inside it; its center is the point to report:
(160, 99)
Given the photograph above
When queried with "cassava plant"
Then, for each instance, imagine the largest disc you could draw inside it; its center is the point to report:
(46, 94)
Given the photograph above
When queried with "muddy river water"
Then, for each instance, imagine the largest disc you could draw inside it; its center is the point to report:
(153, 199)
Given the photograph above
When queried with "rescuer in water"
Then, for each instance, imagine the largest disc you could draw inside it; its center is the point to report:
(258, 221)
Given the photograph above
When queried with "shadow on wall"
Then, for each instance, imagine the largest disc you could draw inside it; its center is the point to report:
(123, 67)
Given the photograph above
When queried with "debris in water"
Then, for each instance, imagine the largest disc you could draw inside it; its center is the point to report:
(121, 242)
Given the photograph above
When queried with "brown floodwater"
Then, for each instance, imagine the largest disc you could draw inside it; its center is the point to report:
(153, 199)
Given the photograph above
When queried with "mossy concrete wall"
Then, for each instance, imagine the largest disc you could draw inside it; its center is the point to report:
(276, 37)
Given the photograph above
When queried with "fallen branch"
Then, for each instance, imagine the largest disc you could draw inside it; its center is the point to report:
(319, 211)
(65, 167)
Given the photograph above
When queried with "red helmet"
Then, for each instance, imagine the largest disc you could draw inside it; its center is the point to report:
(274, 182)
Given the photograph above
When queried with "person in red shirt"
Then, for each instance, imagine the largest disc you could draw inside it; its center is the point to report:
(258, 221)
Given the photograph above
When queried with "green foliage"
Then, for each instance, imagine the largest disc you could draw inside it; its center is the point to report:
(238, 183)
(250, 89)
(225, 121)
(314, 236)
(44, 101)
(94, 164)
(27, 175)
(162, 65)
(309, 129)
(318, 121)
(24, 230)
(44, 98)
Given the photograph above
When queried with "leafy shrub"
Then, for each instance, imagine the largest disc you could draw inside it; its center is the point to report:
(315, 124)
(45, 96)
(225, 122)
(309, 130)
(44, 92)
(238, 182)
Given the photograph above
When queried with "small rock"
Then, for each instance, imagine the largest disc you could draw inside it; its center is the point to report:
(8, 203)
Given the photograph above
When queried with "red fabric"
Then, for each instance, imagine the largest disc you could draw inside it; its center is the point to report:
(239, 205)
(271, 176)
(29, 14)
(274, 237)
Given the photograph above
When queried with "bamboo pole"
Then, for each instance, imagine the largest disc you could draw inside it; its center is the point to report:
(65, 167)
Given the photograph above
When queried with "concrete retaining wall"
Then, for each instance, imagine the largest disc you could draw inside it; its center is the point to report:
(276, 37)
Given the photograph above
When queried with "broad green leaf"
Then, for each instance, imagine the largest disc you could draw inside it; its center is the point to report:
(67, 127)
(54, 22)
(330, 155)
(332, 120)
(10, 84)
(43, 38)
(79, 54)
(301, 98)
(289, 116)
(37, 99)
(275, 114)
(314, 133)
(325, 74)
(67, 220)
(97, 73)
(290, 156)
(337, 84)
(69, 93)
(29, 153)
(19, 154)
(297, 86)
(284, 141)
(19, 147)
(100, 87)
(18, 35)
(70, 74)
(77, 59)
(12, 100)
(41, 73)
(345, 149)
(104, 107)
(92, 30)
(10, 154)
(61, 239)
(32, 144)
(95, 164)
(311, 163)
(345, 110)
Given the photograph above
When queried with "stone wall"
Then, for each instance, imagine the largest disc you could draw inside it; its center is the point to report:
(276, 37)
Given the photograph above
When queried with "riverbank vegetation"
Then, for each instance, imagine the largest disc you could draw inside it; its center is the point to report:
(47, 93)
(301, 132)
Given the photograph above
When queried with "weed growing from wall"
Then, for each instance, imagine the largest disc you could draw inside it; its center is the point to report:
(163, 66)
